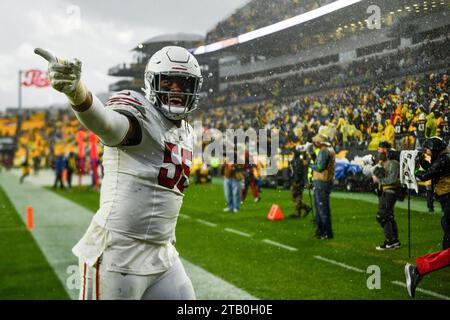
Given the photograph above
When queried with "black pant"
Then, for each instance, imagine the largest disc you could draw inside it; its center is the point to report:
(430, 198)
(385, 216)
(58, 179)
(297, 196)
(69, 178)
(445, 221)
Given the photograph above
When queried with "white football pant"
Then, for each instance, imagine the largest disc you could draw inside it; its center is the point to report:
(99, 284)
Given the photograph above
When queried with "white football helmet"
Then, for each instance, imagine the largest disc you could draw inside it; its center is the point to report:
(173, 64)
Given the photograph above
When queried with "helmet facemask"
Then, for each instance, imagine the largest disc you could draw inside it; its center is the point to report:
(175, 105)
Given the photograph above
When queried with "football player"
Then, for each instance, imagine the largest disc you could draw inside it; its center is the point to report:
(128, 250)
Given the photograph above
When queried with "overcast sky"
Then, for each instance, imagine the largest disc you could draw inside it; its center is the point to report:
(101, 38)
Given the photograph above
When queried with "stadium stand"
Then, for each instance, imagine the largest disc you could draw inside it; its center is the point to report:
(353, 83)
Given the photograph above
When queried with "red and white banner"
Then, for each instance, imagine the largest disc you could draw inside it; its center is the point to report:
(36, 78)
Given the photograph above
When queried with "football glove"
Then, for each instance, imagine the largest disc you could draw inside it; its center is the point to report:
(64, 76)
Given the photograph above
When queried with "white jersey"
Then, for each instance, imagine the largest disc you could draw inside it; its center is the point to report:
(142, 188)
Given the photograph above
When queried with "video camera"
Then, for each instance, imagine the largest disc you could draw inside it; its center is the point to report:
(379, 172)
(306, 151)
(393, 155)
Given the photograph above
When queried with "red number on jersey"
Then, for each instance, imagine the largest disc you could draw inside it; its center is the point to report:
(170, 183)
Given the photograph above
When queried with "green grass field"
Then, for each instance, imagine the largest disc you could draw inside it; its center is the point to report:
(24, 271)
(270, 272)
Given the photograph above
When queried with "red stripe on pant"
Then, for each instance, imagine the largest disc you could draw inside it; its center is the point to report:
(84, 283)
(97, 282)
(433, 261)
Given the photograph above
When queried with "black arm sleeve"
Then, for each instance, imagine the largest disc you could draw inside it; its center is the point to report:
(439, 168)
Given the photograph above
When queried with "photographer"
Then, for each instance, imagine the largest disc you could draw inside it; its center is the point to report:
(439, 172)
(323, 178)
(299, 173)
(387, 175)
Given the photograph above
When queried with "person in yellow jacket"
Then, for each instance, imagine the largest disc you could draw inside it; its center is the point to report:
(431, 126)
(389, 132)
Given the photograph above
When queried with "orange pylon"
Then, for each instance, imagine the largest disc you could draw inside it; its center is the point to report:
(275, 213)
(30, 218)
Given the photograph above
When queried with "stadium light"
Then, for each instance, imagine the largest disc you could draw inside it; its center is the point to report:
(282, 25)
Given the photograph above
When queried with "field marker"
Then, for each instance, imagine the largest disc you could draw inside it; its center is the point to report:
(340, 264)
(30, 218)
(185, 216)
(280, 245)
(210, 224)
(238, 232)
(428, 292)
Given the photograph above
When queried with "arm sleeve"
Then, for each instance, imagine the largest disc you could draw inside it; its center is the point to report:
(110, 126)
(439, 168)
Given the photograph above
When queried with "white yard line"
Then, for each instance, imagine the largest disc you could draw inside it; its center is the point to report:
(428, 292)
(340, 264)
(279, 245)
(185, 216)
(206, 223)
(238, 232)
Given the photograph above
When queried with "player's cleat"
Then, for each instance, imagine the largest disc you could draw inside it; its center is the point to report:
(389, 245)
(257, 199)
(226, 209)
(412, 279)
(294, 215)
(235, 210)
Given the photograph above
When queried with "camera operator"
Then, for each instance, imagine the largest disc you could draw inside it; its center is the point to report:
(439, 172)
(323, 178)
(387, 175)
(299, 176)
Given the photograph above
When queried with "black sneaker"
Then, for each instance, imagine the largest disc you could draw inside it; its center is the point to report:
(412, 279)
(389, 245)
(295, 215)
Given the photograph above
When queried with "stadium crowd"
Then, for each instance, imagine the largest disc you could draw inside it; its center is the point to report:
(48, 139)
(370, 69)
(260, 13)
(354, 116)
